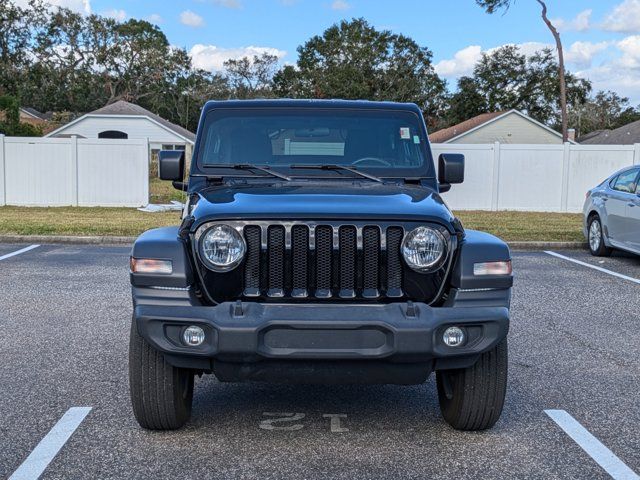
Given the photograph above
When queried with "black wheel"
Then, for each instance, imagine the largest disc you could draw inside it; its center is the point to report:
(596, 239)
(472, 398)
(161, 394)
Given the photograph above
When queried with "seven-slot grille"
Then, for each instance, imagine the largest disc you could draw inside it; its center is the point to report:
(323, 261)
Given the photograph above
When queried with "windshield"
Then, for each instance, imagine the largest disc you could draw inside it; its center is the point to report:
(388, 143)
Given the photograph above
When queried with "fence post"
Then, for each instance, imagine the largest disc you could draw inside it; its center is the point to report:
(566, 159)
(74, 170)
(495, 198)
(147, 164)
(636, 153)
(3, 174)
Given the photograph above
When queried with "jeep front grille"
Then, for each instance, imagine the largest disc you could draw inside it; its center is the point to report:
(333, 261)
(322, 261)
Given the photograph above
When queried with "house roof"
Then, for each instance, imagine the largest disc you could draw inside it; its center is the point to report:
(36, 114)
(446, 134)
(625, 135)
(127, 109)
(468, 126)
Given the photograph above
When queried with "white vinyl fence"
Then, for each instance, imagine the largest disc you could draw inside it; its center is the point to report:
(73, 171)
(100, 172)
(542, 178)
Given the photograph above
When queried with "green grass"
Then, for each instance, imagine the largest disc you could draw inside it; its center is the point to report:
(81, 221)
(162, 191)
(526, 226)
(510, 226)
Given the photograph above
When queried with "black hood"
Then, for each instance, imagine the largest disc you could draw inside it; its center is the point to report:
(328, 200)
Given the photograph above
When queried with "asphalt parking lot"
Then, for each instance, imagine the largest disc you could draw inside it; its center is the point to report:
(64, 327)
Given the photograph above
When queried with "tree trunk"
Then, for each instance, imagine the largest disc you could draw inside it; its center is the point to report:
(563, 83)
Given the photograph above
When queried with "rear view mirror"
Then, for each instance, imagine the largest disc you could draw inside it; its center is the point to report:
(450, 170)
(171, 165)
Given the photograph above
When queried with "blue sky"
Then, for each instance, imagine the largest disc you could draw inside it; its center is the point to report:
(602, 37)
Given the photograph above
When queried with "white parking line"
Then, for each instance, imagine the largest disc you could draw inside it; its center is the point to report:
(18, 252)
(594, 267)
(590, 444)
(50, 445)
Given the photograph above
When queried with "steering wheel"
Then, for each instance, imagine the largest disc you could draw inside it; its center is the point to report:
(372, 159)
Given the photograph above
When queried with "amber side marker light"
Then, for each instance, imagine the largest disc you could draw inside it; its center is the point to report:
(492, 268)
(150, 265)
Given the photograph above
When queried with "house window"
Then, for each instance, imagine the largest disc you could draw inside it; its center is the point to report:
(113, 134)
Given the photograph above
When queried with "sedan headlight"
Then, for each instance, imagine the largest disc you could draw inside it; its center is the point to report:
(222, 248)
(424, 249)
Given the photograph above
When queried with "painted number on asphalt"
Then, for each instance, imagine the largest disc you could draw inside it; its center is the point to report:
(282, 421)
(290, 421)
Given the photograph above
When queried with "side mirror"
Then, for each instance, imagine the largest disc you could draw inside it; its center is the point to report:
(171, 165)
(450, 170)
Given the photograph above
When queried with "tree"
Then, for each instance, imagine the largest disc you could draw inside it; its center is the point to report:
(10, 120)
(492, 6)
(353, 60)
(466, 103)
(252, 77)
(17, 29)
(184, 99)
(507, 79)
(606, 110)
(64, 71)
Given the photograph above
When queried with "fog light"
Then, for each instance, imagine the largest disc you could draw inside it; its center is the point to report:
(453, 337)
(193, 336)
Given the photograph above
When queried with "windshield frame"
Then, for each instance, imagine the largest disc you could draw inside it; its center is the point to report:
(198, 168)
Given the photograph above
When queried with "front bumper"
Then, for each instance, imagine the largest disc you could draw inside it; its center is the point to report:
(254, 332)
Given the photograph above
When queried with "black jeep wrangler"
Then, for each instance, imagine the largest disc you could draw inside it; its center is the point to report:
(315, 248)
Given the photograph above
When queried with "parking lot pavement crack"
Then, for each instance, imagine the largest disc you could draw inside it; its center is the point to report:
(588, 346)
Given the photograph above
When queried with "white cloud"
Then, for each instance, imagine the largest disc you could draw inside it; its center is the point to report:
(119, 15)
(581, 54)
(211, 57)
(630, 49)
(625, 17)
(581, 23)
(155, 19)
(462, 62)
(228, 3)
(191, 19)
(340, 5)
(621, 72)
(80, 6)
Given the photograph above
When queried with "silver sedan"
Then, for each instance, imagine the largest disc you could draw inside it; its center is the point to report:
(612, 213)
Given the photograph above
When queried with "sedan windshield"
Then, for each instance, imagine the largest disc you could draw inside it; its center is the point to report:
(387, 143)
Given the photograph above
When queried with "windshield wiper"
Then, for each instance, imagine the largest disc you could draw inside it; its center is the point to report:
(338, 167)
(247, 166)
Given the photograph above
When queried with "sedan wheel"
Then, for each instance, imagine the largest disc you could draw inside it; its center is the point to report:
(596, 241)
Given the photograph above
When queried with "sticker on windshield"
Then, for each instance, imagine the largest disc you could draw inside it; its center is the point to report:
(405, 133)
(416, 139)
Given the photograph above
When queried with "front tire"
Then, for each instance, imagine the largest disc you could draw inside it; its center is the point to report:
(161, 394)
(472, 398)
(596, 238)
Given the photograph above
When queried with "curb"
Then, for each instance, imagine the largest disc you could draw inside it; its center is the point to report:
(547, 245)
(108, 240)
(67, 239)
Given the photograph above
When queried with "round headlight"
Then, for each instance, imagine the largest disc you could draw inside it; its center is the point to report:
(222, 248)
(423, 248)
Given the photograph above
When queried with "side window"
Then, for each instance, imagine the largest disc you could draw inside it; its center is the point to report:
(626, 182)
